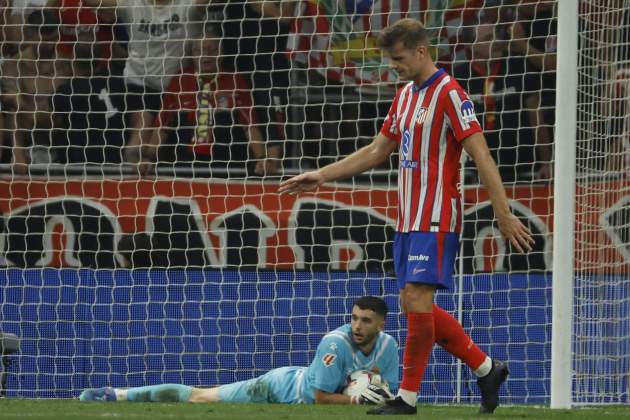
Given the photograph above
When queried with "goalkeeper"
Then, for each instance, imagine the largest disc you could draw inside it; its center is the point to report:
(359, 345)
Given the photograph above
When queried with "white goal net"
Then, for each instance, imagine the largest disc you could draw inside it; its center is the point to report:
(602, 240)
(142, 239)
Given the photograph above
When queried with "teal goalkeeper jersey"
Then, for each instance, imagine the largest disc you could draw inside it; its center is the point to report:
(338, 356)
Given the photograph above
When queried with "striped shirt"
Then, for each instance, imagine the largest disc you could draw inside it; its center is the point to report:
(429, 122)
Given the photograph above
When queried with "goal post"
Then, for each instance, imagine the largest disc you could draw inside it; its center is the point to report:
(564, 205)
(590, 341)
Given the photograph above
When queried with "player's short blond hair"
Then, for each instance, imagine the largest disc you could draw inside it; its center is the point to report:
(410, 32)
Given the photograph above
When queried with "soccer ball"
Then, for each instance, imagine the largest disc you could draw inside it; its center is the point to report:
(359, 380)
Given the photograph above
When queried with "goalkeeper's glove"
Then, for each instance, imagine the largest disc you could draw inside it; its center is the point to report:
(373, 395)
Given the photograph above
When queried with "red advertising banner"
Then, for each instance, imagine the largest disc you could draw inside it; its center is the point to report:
(227, 224)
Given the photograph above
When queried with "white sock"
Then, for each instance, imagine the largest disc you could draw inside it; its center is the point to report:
(409, 397)
(121, 394)
(484, 368)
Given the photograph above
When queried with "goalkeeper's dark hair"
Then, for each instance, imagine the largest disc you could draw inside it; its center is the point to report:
(372, 303)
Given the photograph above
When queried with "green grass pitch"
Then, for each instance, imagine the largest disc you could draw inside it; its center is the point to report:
(69, 409)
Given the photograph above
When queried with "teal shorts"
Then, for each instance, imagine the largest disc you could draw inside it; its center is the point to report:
(280, 386)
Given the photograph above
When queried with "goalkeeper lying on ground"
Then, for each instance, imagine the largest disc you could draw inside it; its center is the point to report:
(360, 345)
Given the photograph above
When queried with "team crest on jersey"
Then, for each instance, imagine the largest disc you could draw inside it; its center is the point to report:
(468, 111)
(328, 359)
(422, 115)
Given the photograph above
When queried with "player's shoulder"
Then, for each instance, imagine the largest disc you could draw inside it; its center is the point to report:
(387, 341)
(453, 93)
(451, 84)
(339, 336)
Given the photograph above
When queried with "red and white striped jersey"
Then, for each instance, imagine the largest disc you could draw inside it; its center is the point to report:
(429, 122)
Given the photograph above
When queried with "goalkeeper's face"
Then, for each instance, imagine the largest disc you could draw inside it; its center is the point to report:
(366, 324)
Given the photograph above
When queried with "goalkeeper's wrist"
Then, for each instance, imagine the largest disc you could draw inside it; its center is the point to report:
(355, 400)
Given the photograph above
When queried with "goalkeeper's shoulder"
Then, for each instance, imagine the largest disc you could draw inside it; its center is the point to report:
(388, 342)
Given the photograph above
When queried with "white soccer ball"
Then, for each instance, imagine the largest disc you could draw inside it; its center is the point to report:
(359, 380)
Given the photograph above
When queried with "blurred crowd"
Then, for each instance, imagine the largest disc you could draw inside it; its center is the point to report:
(216, 84)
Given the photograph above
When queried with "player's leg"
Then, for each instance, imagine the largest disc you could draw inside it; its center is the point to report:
(204, 395)
(280, 386)
(417, 301)
(276, 386)
(151, 393)
(450, 335)
(415, 258)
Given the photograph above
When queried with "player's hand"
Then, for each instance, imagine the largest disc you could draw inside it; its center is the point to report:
(374, 395)
(307, 181)
(516, 232)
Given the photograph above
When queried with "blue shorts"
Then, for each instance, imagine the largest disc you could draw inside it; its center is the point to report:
(282, 386)
(425, 258)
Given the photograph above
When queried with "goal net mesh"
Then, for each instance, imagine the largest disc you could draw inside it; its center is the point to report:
(142, 237)
(602, 301)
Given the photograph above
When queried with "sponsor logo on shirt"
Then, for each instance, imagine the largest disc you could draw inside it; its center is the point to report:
(328, 359)
(405, 144)
(404, 152)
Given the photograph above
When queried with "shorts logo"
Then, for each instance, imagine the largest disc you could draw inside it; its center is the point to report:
(418, 257)
(468, 111)
(329, 359)
(418, 270)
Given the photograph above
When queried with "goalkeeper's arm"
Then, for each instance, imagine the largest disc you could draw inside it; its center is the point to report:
(372, 395)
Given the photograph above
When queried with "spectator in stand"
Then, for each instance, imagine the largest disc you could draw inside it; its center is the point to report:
(254, 39)
(499, 86)
(208, 116)
(533, 34)
(29, 79)
(71, 12)
(18, 13)
(158, 32)
(90, 110)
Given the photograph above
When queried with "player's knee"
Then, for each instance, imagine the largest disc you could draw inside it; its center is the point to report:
(403, 301)
(418, 297)
(204, 395)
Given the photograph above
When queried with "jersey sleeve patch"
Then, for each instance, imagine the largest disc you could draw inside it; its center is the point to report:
(467, 110)
(328, 359)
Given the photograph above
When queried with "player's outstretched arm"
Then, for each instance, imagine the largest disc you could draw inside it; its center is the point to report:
(367, 157)
(509, 225)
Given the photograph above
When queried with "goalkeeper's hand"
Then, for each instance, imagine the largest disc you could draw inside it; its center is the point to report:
(373, 395)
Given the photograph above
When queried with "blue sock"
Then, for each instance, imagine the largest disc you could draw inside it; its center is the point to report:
(160, 393)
